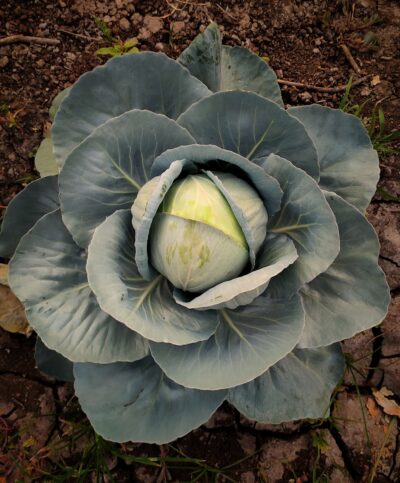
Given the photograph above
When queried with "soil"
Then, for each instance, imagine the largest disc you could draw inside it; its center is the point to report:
(302, 41)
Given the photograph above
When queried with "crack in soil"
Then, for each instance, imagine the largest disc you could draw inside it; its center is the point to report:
(376, 353)
(391, 356)
(387, 259)
(346, 453)
(395, 292)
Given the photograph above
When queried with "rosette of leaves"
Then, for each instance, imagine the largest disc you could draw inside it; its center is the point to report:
(200, 243)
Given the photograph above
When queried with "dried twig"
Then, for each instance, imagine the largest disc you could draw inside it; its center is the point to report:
(12, 39)
(174, 9)
(232, 17)
(322, 89)
(80, 36)
(350, 58)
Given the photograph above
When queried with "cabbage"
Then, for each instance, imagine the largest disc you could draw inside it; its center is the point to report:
(198, 244)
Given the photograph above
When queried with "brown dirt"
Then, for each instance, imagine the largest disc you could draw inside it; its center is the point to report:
(302, 40)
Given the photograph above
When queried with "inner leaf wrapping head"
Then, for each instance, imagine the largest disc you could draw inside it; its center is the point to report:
(196, 240)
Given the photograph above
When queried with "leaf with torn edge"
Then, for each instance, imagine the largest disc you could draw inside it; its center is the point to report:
(12, 313)
(389, 406)
(3, 274)
(372, 407)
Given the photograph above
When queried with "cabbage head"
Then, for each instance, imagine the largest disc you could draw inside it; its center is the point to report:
(199, 243)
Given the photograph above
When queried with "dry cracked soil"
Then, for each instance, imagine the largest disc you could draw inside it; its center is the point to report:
(43, 434)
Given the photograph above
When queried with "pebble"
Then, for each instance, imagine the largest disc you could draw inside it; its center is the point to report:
(178, 27)
(70, 56)
(4, 61)
(154, 24)
(305, 96)
(124, 24)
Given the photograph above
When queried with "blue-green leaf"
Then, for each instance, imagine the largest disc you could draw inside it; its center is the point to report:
(276, 254)
(45, 162)
(224, 68)
(349, 164)
(143, 212)
(203, 57)
(268, 188)
(135, 81)
(104, 173)
(52, 363)
(146, 307)
(243, 70)
(307, 219)
(247, 342)
(352, 295)
(37, 199)
(136, 402)
(248, 124)
(47, 273)
(297, 387)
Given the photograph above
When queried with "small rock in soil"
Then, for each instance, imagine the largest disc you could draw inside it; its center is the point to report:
(124, 24)
(4, 61)
(178, 27)
(153, 24)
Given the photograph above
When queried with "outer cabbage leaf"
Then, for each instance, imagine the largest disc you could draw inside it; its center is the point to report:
(104, 173)
(146, 81)
(352, 295)
(203, 57)
(146, 307)
(247, 342)
(297, 387)
(308, 220)
(276, 254)
(223, 68)
(45, 162)
(137, 402)
(241, 69)
(37, 199)
(47, 273)
(56, 103)
(349, 164)
(252, 126)
(199, 155)
(52, 363)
